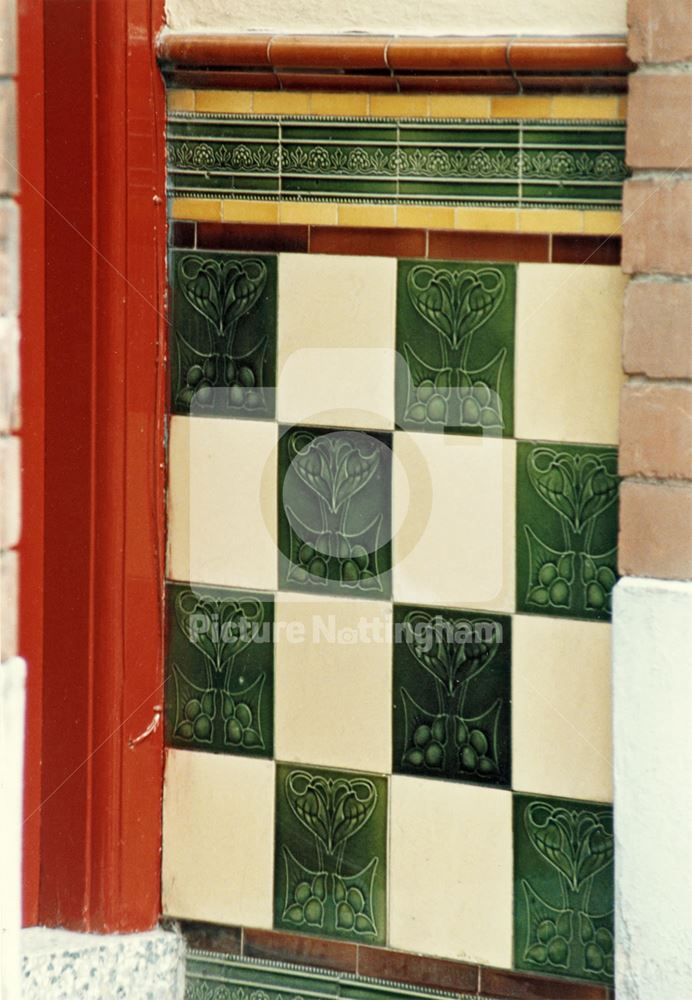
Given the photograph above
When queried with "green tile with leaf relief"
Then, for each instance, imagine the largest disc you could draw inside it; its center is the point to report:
(335, 511)
(567, 517)
(452, 691)
(563, 887)
(219, 670)
(455, 344)
(330, 869)
(223, 334)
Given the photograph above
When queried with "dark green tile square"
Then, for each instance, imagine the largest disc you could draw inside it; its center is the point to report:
(223, 334)
(563, 887)
(452, 694)
(219, 670)
(335, 511)
(455, 344)
(567, 518)
(330, 868)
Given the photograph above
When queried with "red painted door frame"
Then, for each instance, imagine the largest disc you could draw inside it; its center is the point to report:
(93, 272)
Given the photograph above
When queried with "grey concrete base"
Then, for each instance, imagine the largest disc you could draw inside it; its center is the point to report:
(652, 688)
(61, 965)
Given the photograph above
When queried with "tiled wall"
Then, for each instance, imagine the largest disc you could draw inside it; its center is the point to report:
(392, 530)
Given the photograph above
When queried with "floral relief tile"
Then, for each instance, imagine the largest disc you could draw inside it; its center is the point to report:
(563, 892)
(223, 334)
(331, 855)
(567, 503)
(452, 686)
(455, 339)
(219, 670)
(335, 511)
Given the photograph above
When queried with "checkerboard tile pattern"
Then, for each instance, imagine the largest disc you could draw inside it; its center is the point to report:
(392, 508)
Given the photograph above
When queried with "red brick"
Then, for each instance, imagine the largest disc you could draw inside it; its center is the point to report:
(659, 120)
(655, 530)
(417, 970)
(658, 329)
(656, 431)
(657, 227)
(660, 30)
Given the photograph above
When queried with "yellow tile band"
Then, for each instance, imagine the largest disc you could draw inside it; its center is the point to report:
(505, 220)
(564, 106)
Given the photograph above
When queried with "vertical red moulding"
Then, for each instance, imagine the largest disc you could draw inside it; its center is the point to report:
(93, 268)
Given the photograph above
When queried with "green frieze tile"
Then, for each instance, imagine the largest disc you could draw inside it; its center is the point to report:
(223, 334)
(219, 687)
(330, 868)
(567, 517)
(452, 692)
(563, 887)
(335, 511)
(455, 340)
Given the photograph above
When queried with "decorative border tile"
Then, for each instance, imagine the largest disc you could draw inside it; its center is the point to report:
(452, 692)
(567, 516)
(563, 895)
(330, 870)
(528, 163)
(455, 336)
(335, 511)
(219, 670)
(223, 334)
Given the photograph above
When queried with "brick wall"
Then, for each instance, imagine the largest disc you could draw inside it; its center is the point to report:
(656, 405)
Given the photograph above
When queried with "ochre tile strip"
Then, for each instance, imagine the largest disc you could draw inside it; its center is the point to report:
(307, 213)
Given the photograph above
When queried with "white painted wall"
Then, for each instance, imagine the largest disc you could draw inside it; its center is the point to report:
(652, 691)
(406, 17)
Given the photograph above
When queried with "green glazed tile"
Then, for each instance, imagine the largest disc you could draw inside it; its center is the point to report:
(335, 511)
(567, 517)
(452, 692)
(219, 670)
(330, 868)
(563, 887)
(455, 343)
(223, 334)
(343, 161)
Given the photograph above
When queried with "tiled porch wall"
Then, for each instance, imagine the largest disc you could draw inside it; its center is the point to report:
(383, 422)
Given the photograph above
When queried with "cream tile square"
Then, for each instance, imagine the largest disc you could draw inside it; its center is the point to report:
(568, 370)
(450, 871)
(454, 521)
(336, 340)
(561, 708)
(333, 686)
(222, 502)
(218, 838)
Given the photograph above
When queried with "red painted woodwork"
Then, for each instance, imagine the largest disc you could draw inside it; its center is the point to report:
(32, 308)
(103, 524)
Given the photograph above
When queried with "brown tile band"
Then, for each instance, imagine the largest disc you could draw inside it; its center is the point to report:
(434, 244)
(374, 62)
(385, 963)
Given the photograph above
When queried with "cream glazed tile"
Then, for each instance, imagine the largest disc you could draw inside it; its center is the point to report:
(568, 369)
(336, 340)
(218, 838)
(454, 521)
(562, 707)
(333, 700)
(222, 502)
(451, 870)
